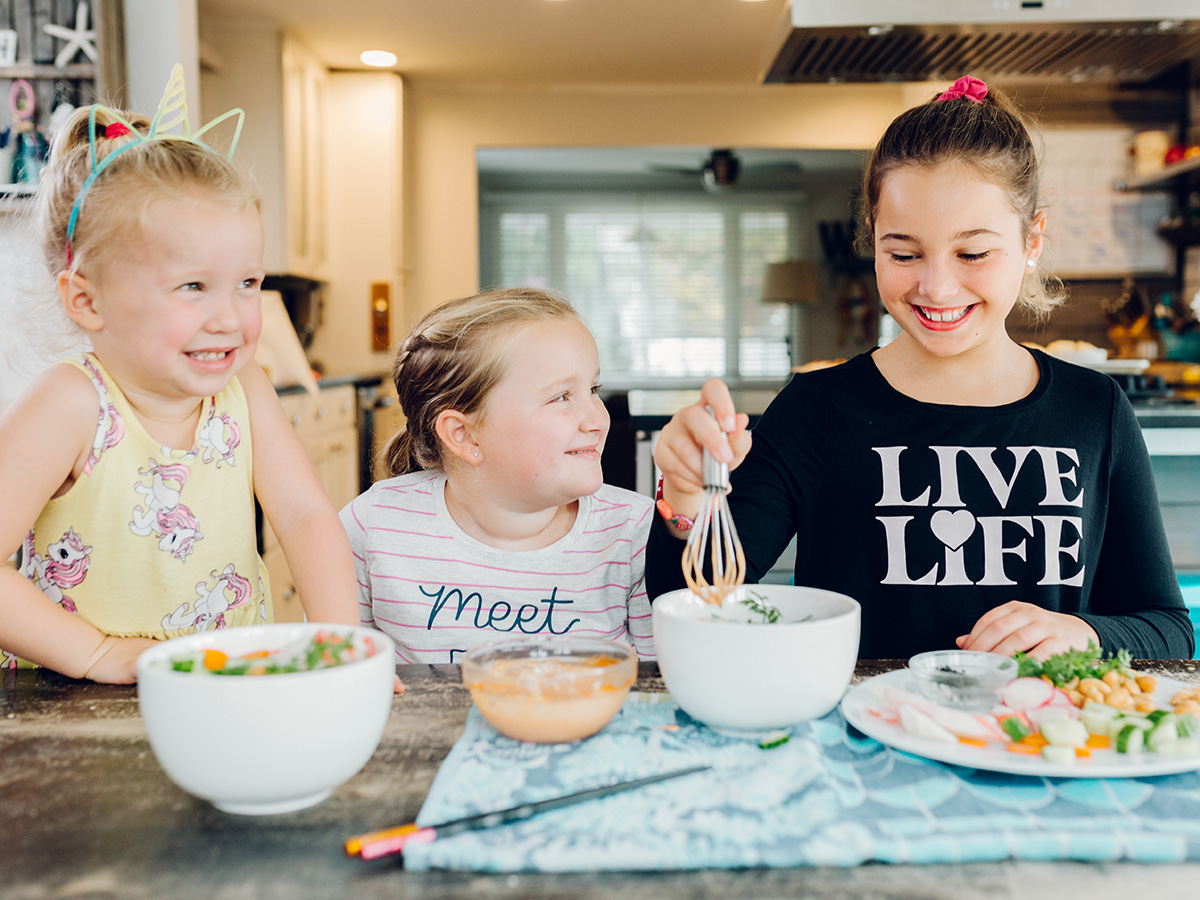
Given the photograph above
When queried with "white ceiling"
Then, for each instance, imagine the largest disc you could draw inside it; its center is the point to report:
(529, 42)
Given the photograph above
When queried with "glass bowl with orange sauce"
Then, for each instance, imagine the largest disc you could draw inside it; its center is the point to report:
(549, 690)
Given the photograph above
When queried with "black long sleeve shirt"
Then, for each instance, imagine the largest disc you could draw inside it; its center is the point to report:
(929, 515)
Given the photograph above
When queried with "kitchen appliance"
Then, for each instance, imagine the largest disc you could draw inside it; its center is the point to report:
(920, 40)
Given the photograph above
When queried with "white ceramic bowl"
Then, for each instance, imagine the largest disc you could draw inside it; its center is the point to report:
(743, 677)
(257, 745)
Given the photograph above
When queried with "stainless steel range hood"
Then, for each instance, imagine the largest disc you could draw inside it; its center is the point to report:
(1043, 40)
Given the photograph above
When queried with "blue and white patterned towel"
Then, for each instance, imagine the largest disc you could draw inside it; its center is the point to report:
(830, 796)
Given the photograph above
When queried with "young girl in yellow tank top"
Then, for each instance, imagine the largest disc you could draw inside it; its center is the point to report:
(127, 474)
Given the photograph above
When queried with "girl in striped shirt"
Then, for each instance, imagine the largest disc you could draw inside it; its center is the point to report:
(496, 522)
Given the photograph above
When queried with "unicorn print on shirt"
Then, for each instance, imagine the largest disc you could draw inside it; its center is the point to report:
(218, 438)
(207, 613)
(65, 565)
(164, 514)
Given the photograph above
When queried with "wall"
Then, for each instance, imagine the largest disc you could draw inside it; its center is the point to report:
(364, 203)
(445, 126)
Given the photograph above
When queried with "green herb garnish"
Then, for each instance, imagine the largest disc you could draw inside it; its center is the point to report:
(758, 604)
(1062, 667)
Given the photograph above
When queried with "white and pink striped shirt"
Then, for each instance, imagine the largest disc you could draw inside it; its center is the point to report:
(438, 592)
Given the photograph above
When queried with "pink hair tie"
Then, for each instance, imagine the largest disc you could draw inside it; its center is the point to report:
(971, 88)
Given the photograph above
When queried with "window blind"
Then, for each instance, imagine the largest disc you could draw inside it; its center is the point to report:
(669, 288)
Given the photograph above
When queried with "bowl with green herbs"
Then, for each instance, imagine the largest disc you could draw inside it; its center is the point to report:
(768, 656)
(266, 719)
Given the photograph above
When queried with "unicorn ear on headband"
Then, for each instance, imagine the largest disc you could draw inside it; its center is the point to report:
(170, 123)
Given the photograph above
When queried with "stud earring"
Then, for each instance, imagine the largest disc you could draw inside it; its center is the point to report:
(476, 454)
(1030, 263)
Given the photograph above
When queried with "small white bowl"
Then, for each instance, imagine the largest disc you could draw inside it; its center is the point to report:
(965, 679)
(264, 744)
(745, 678)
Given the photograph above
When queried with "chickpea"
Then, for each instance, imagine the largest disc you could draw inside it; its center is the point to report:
(1120, 698)
(1091, 692)
(1112, 678)
(1148, 683)
(1131, 685)
(1143, 703)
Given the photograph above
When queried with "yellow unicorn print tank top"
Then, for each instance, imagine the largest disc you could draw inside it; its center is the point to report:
(153, 541)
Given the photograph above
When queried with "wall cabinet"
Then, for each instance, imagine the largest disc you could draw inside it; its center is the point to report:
(282, 87)
(328, 428)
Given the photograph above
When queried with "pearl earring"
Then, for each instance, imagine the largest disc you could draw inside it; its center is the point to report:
(476, 454)
(1031, 263)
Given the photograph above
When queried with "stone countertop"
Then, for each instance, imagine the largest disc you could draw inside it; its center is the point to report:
(89, 813)
(358, 380)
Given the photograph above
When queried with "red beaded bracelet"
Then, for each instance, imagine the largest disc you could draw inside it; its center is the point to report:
(683, 523)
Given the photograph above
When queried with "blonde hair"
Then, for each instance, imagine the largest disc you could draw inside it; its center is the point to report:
(991, 138)
(114, 207)
(452, 359)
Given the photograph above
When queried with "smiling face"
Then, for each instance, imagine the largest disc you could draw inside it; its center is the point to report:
(543, 425)
(949, 256)
(178, 310)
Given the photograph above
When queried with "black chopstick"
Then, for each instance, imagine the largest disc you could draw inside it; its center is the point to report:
(394, 840)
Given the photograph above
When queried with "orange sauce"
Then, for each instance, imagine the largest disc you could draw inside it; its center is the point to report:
(550, 700)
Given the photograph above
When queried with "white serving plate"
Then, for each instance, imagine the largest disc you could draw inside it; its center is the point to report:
(994, 757)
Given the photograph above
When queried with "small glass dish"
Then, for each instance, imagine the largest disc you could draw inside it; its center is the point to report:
(964, 679)
(549, 690)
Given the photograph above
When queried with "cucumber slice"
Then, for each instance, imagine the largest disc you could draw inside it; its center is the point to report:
(1165, 732)
(1184, 746)
(1065, 732)
(1096, 717)
(1059, 754)
(1186, 725)
(1130, 739)
(1117, 725)
(1156, 716)
(774, 739)
(1015, 728)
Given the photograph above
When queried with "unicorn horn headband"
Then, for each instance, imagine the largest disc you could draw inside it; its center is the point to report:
(170, 123)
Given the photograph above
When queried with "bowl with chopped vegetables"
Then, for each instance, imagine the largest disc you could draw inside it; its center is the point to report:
(266, 719)
(768, 656)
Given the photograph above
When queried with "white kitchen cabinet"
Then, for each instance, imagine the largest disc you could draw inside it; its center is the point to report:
(282, 87)
(328, 429)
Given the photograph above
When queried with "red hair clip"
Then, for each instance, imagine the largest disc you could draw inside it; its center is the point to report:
(971, 88)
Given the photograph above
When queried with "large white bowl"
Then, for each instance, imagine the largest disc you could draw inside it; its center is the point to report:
(263, 744)
(746, 678)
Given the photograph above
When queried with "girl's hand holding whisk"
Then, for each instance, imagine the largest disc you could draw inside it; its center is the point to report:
(679, 451)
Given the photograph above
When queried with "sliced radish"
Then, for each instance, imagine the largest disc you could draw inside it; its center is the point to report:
(1023, 694)
(1061, 698)
(964, 724)
(918, 724)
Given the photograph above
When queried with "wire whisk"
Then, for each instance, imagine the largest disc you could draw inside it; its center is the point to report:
(713, 539)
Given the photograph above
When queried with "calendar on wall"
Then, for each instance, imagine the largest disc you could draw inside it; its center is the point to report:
(1095, 231)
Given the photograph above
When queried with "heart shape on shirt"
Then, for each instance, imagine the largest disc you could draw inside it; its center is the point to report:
(952, 528)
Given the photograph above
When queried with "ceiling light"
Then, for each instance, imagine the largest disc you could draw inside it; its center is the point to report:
(380, 58)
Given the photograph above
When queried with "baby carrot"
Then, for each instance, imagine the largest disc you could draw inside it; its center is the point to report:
(973, 742)
(1099, 741)
(215, 659)
(1021, 747)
